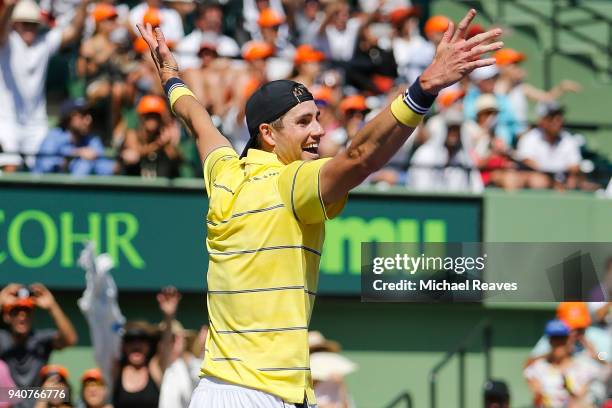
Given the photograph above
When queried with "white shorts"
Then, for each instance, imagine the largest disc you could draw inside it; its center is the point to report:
(17, 138)
(214, 393)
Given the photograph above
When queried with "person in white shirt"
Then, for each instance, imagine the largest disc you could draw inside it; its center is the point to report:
(551, 153)
(338, 32)
(208, 30)
(411, 51)
(171, 22)
(24, 57)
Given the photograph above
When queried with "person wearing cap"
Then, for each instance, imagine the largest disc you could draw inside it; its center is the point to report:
(26, 349)
(435, 27)
(307, 62)
(25, 51)
(151, 150)
(328, 368)
(94, 390)
(209, 30)
(512, 82)
(171, 21)
(71, 147)
(411, 51)
(273, 30)
(251, 10)
(55, 377)
(335, 133)
(146, 352)
(489, 152)
(550, 153)
(559, 379)
(496, 394)
(270, 203)
(483, 81)
(445, 166)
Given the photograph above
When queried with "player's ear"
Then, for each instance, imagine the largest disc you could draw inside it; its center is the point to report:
(266, 137)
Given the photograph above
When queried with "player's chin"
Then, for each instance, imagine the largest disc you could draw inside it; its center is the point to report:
(309, 156)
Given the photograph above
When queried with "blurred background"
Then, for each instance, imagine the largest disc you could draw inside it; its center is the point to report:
(89, 152)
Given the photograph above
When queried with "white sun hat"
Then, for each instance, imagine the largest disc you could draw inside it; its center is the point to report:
(325, 365)
(26, 11)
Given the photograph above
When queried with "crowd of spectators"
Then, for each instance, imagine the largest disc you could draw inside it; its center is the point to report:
(353, 57)
(158, 365)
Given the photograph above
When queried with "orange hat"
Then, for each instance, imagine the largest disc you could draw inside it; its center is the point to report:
(269, 18)
(151, 104)
(51, 369)
(508, 56)
(92, 374)
(306, 53)
(574, 314)
(436, 24)
(353, 102)
(140, 45)
(250, 87)
(26, 302)
(152, 16)
(323, 93)
(400, 14)
(474, 30)
(255, 50)
(447, 98)
(103, 11)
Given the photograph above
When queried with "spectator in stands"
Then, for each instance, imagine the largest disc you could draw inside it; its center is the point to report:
(559, 379)
(487, 150)
(447, 166)
(435, 27)
(328, 368)
(484, 80)
(182, 375)
(307, 62)
(272, 25)
(307, 18)
(335, 134)
(25, 51)
(151, 150)
(512, 83)
(251, 11)
(71, 147)
(98, 65)
(55, 377)
(183, 7)
(411, 51)
(496, 394)
(25, 349)
(139, 371)
(168, 19)
(6, 382)
(94, 390)
(551, 153)
(338, 32)
(209, 24)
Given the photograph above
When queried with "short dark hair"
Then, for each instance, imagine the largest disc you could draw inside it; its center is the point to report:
(276, 124)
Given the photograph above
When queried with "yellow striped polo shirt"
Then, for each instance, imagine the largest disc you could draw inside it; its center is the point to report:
(265, 233)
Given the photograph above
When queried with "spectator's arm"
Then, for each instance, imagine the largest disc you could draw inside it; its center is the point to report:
(602, 312)
(168, 300)
(44, 299)
(379, 139)
(75, 28)
(187, 108)
(554, 93)
(330, 14)
(8, 294)
(5, 20)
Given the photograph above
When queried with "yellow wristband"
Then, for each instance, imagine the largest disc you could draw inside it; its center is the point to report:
(404, 114)
(178, 92)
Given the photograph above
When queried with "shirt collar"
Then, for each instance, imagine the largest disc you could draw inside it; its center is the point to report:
(256, 156)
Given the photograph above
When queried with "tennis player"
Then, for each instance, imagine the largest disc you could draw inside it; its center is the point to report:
(267, 209)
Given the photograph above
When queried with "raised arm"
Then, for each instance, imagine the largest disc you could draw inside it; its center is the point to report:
(6, 11)
(380, 138)
(75, 28)
(187, 108)
(66, 335)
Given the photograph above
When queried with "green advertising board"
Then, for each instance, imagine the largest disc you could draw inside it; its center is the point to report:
(156, 234)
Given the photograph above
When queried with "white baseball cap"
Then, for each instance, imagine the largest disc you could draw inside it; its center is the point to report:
(26, 11)
(486, 102)
(488, 72)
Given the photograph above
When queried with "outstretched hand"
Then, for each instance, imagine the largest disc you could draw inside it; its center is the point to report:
(456, 57)
(165, 63)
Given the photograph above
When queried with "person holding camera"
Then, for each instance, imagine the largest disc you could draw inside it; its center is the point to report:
(25, 349)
